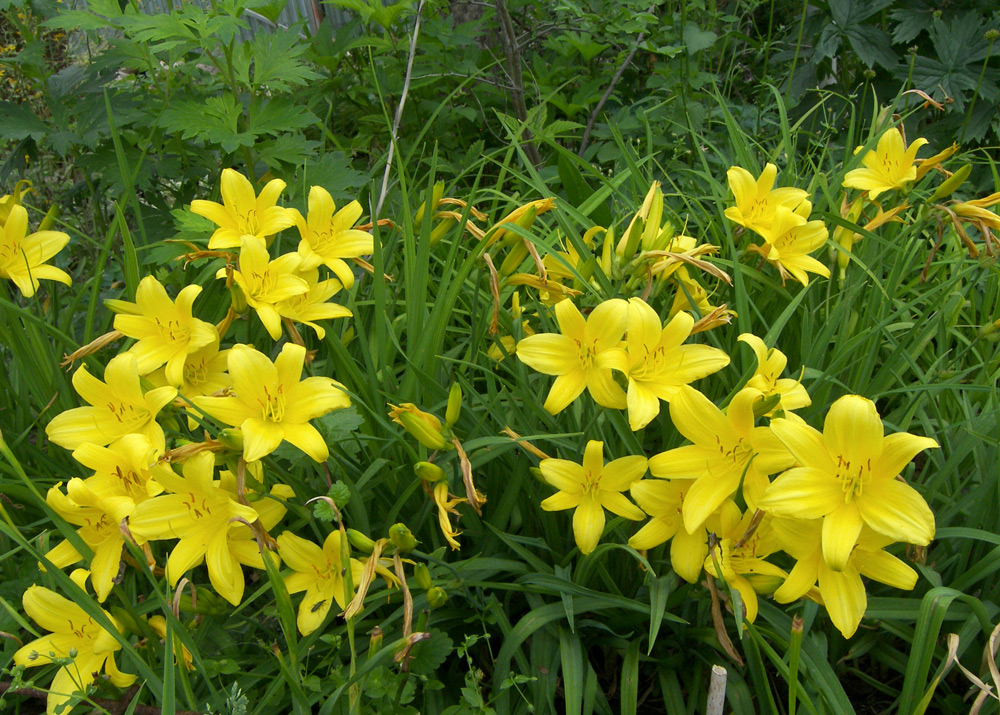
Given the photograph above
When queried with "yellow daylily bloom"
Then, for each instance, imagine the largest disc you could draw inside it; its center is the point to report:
(771, 363)
(740, 560)
(117, 407)
(664, 502)
(590, 488)
(848, 475)
(328, 236)
(533, 208)
(127, 468)
(23, 257)
(244, 213)
(319, 571)
(756, 199)
(74, 635)
(165, 330)
(841, 592)
(657, 362)
(727, 448)
(573, 355)
(789, 242)
(264, 282)
(272, 403)
(312, 305)
(890, 166)
(202, 515)
(99, 518)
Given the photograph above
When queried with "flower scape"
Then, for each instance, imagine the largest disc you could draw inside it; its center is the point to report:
(354, 482)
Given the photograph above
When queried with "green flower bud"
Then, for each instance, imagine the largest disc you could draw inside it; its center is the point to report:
(423, 576)
(948, 186)
(402, 537)
(454, 405)
(436, 597)
(428, 472)
(231, 438)
(359, 541)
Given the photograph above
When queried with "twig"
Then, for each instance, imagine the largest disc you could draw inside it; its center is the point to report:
(611, 88)
(514, 70)
(399, 111)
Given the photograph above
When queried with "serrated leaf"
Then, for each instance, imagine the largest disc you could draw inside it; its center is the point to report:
(280, 115)
(871, 45)
(288, 149)
(277, 61)
(20, 122)
(213, 120)
(431, 654)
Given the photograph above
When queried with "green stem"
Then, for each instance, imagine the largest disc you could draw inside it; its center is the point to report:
(975, 94)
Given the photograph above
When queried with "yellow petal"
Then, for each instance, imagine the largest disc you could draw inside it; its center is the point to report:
(588, 524)
(564, 390)
(841, 528)
(844, 597)
(898, 511)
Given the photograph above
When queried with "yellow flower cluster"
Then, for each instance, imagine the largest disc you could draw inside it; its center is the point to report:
(836, 503)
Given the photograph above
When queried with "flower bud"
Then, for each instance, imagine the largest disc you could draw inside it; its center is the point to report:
(948, 186)
(425, 427)
(454, 405)
(436, 597)
(231, 438)
(422, 575)
(238, 298)
(402, 537)
(429, 472)
(360, 541)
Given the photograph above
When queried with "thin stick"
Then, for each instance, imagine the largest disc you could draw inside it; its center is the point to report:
(611, 88)
(399, 111)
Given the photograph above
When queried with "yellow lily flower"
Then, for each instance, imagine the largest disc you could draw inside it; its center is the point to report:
(312, 305)
(771, 363)
(165, 330)
(244, 213)
(573, 355)
(842, 592)
(727, 448)
(202, 515)
(272, 403)
(265, 282)
(99, 517)
(319, 571)
(74, 635)
(664, 502)
(848, 475)
(23, 257)
(590, 488)
(756, 199)
(789, 242)
(656, 362)
(328, 236)
(740, 560)
(117, 407)
(890, 166)
(127, 468)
